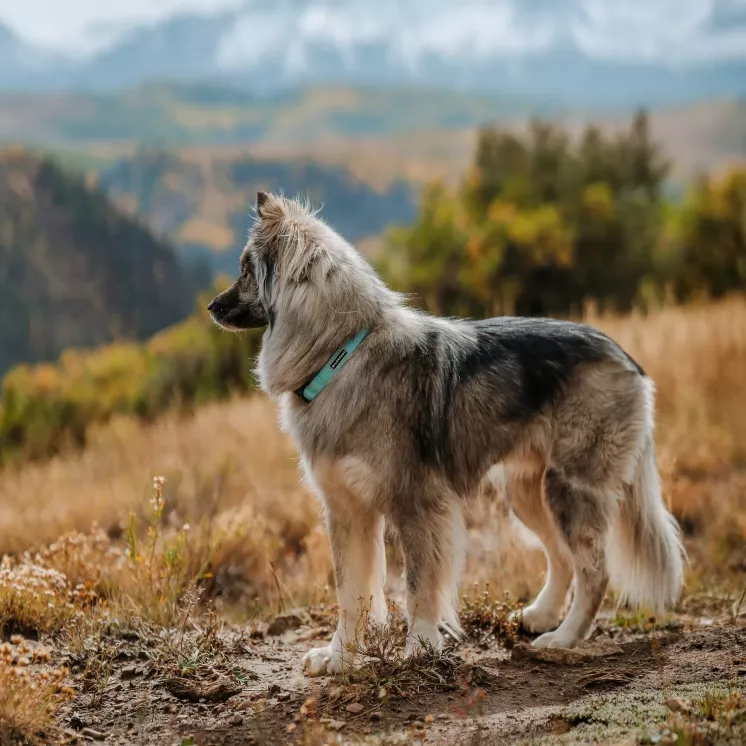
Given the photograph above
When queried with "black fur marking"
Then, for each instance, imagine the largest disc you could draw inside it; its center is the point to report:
(269, 278)
(427, 415)
(538, 356)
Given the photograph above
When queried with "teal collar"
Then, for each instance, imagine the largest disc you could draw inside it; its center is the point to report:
(335, 363)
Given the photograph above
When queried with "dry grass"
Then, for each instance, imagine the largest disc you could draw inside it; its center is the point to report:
(32, 692)
(92, 543)
(236, 518)
(697, 358)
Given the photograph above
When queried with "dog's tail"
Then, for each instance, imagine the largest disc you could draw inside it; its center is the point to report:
(645, 553)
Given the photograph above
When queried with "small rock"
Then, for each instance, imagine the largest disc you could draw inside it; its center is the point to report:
(283, 696)
(311, 634)
(96, 735)
(584, 653)
(336, 724)
(235, 719)
(676, 704)
(355, 708)
(76, 721)
(130, 672)
(287, 621)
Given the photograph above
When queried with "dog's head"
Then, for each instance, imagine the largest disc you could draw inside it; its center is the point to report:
(287, 264)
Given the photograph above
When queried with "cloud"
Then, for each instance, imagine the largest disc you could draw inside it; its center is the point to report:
(676, 32)
(671, 32)
(410, 31)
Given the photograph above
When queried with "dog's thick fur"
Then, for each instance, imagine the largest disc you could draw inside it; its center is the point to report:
(428, 409)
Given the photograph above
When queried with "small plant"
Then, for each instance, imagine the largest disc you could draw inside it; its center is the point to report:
(386, 673)
(164, 566)
(31, 692)
(485, 615)
(717, 717)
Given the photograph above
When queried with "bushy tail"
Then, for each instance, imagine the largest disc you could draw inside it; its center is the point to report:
(645, 555)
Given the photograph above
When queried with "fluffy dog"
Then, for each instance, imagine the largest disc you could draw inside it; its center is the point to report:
(426, 410)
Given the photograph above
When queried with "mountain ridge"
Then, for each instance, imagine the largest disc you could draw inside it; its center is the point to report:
(580, 51)
(74, 270)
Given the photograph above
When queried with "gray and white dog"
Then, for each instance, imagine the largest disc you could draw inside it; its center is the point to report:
(426, 411)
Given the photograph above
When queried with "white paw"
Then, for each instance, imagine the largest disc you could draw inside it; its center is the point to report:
(555, 639)
(320, 661)
(536, 619)
(423, 638)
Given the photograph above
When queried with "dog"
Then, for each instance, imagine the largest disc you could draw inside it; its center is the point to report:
(400, 417)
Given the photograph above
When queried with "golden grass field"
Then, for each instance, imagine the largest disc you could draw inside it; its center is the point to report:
(233, 517)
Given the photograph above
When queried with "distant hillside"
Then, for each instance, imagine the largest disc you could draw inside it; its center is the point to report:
(74, 271)
(380, 135)
(702, 136)
(201, 202)
(181, 114)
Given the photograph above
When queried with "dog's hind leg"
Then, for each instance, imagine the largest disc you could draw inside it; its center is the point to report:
(433, 543)
(357, 541)
(524, 493)
(582, 515)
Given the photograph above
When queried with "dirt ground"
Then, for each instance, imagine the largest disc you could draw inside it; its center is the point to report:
(622, 686)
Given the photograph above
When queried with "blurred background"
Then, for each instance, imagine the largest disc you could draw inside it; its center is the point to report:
(581, 158)
(551, 140)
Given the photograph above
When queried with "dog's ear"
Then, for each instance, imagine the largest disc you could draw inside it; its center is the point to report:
(261, 200)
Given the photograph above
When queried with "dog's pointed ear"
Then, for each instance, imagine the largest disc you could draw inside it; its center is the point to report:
(262, 198)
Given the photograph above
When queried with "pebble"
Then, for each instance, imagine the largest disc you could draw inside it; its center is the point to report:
(76, 721)
(676, 704)
(235, 719)
(96, 735)
(355, 708)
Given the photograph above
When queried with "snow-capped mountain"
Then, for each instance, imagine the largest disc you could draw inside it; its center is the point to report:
(591, 51)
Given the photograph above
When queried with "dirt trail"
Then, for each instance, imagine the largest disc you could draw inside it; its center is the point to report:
(611, 689)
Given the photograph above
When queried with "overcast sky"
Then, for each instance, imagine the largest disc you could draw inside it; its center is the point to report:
(623, 29)
(66, 23)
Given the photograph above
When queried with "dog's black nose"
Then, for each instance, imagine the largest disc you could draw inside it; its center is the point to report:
(214, 306)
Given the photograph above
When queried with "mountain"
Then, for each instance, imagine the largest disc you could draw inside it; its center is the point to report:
(201, 203)
(22, 65)
(182, 114)
(578, 52)
(74, 271)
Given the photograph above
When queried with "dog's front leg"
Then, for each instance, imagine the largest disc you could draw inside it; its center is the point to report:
(433, 542)
(357, 542)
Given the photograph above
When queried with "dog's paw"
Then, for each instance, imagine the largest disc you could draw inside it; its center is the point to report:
(423, 638)
(321, 661)
(556, 639)
(536, 619)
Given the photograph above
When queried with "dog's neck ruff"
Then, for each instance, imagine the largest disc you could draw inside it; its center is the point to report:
(335, 363)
